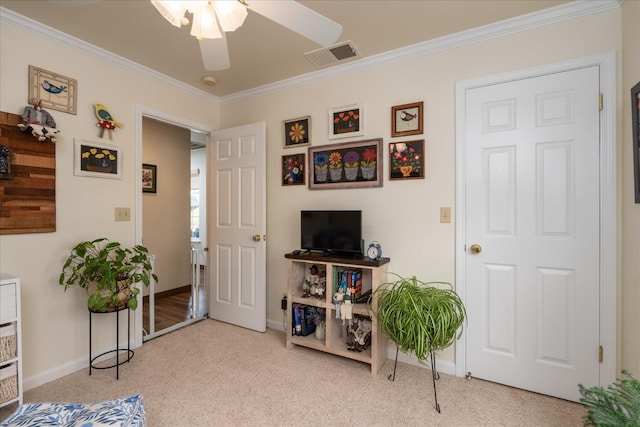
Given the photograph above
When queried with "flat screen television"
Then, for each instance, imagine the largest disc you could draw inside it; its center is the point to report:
(333, 232)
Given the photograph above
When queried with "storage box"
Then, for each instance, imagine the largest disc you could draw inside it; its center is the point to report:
(8, 342)
(8, 383)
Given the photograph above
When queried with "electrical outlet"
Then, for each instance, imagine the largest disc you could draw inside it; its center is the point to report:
(123, 214)
(445, 215)
(283, 303)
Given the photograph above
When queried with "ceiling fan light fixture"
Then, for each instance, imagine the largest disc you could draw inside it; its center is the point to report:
(172, 11)
(205, 25)
(210, 17)
(231, 14)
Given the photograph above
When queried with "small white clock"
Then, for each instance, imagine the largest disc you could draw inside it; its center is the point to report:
(374, 251)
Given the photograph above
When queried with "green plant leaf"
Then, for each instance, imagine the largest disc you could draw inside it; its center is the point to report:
(100, 264)
(618, 405)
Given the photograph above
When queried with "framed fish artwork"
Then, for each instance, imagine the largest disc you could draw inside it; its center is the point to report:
(56, 91)
(407, 119)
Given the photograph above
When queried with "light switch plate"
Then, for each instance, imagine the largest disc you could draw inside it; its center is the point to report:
(445, 215)
(123, 214)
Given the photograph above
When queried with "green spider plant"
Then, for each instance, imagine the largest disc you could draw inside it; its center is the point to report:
(419, 317)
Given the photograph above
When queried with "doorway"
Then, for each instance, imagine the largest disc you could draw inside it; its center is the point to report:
(536, 199)
(165, 222)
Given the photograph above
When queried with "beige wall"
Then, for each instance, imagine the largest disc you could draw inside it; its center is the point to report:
(166, 213)
(403, 216)
(630, 212)
(55, 323)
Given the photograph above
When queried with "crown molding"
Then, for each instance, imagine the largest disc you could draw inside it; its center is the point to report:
(58, 37)
(542, 18)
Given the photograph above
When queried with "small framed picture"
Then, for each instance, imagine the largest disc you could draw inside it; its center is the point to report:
(97, 160)
(293, 169)
(297, 132)
(56, 91)
(346, 121)
(407, 119)
(406, 160)
(149, 178)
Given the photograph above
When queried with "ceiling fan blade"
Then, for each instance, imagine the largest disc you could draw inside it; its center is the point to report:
(299, 18)
(215, 54)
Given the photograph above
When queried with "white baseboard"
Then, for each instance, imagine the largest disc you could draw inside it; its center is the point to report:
(66, 369)
(55, 373)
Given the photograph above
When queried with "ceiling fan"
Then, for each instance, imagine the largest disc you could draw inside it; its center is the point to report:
(212, 18)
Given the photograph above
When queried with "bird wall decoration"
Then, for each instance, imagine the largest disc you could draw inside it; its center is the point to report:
(105, 120)
(407, 117)
(51, 88)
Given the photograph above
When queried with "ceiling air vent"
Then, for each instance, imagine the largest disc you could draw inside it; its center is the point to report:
(332, 55)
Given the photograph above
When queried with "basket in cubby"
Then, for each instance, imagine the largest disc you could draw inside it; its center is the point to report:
(8, 383)
(8, 342)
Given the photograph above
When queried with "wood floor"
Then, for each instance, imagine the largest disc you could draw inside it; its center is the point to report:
(172, 307)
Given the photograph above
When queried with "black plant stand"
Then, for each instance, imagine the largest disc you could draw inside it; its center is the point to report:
(117, 351)
(434, 374)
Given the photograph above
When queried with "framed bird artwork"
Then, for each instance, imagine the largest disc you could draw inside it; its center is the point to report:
(407, 119)
(55, 91)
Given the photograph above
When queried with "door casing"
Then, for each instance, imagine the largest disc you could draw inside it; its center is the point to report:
(608, 197)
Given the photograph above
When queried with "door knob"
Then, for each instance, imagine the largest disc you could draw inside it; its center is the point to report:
(475, 249)
(256, 237)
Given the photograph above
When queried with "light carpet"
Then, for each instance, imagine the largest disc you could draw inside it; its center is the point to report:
(215, 374)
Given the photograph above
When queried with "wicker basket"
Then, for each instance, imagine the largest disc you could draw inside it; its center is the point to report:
(7, 342)
(8, 383)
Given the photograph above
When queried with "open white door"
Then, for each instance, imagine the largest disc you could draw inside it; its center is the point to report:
(237, 226)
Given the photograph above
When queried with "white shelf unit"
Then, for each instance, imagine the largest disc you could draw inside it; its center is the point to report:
(10, 341)
(373, 274)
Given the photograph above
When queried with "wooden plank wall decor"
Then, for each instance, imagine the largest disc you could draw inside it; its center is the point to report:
(28, 191)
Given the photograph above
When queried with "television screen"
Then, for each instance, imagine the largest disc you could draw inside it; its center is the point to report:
(333, 232)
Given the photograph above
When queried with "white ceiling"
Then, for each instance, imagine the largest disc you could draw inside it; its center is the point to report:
(261, 51)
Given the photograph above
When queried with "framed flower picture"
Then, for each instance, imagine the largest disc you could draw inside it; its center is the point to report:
(346, 165)
(406, 160)
(347, 121)
(297, 132)
(293, 169)
(149, 178)
(407, 119)
(97, 160)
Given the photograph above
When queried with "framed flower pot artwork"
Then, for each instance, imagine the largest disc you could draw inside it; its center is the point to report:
(149, 178)
(297, 132)
(635, 124)
(406, 160)
(407, 119)
(293, 169)
(346, 165)
(345, 122)
(97, 160)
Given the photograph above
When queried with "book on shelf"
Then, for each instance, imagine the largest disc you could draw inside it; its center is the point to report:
(302, 320)
(349, 282)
